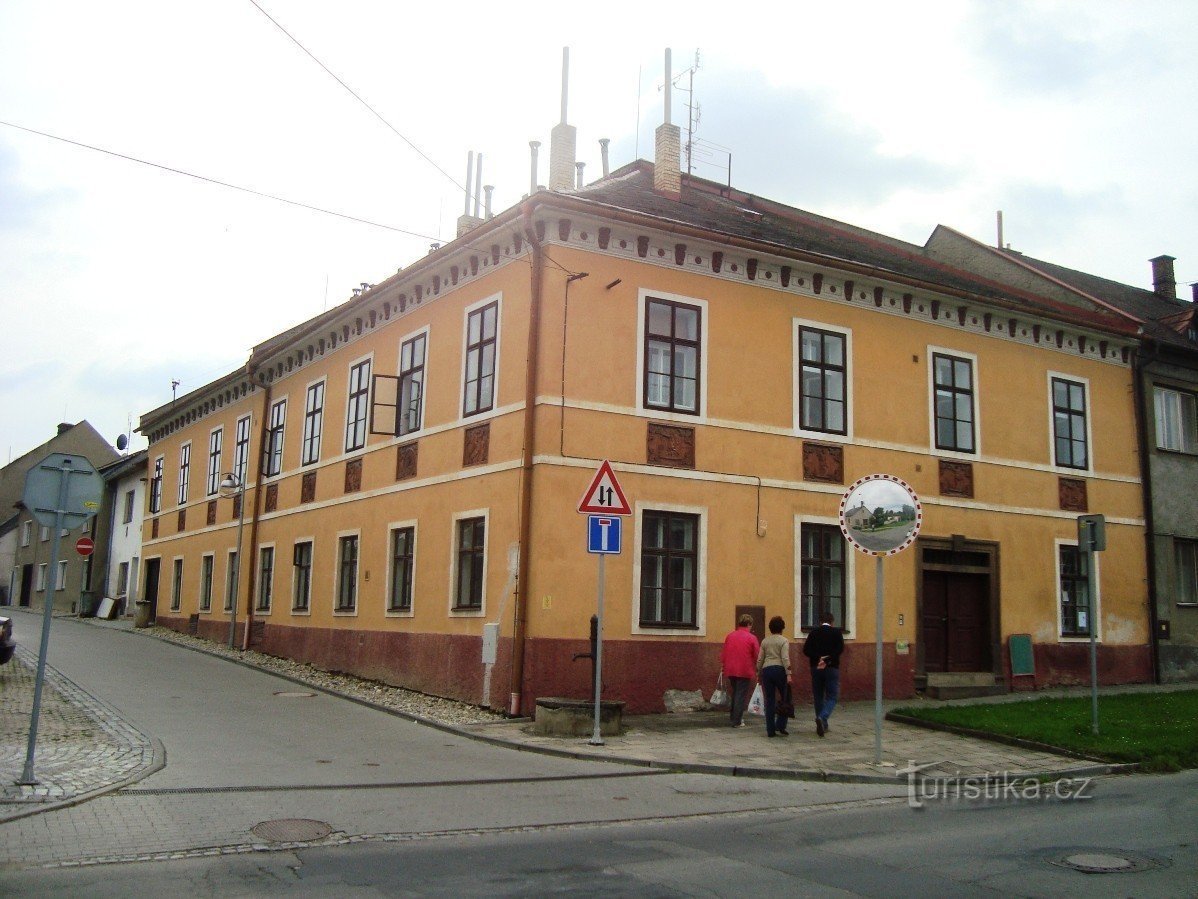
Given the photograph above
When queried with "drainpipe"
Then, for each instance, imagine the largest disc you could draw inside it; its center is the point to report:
(254, 513)
(520, 612)
(1139, 362)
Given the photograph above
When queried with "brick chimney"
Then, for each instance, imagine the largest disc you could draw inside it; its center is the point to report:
(563, 139)
(1164, 283)
(667, 155)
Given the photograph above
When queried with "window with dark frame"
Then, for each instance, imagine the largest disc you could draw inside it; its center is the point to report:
(1075, 592)
(215, 440)
(313, 422)
(1176, 420)
(177, 586)
(358, 406)
(130, 505)
(403, 545)
(272, 451)
(481, 331)
(301, 593)
(669, 569)
(411, 384)
(347, 573)
(184, 471)
(822, 577)
(468, 589)
(673, 334)
(266, 578)
(1070, 444)
(231, 579)
(823, 381)
(241, 449)
(954, 403)
(206, 584)
(1186, 552)
(122, 579)
(156, 487)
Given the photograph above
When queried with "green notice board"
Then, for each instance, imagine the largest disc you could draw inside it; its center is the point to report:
(1022, 660)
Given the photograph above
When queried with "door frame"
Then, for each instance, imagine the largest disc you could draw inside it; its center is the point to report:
(152, 564)
(958, 544)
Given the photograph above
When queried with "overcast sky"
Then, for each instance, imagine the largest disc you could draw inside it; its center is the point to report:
(1076, 119)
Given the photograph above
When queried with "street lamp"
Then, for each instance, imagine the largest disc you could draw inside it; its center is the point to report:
(232, 485)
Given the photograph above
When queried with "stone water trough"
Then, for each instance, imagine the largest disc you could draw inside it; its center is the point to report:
(557, 716)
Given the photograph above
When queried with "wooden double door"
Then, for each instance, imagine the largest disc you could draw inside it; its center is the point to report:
(955, 621)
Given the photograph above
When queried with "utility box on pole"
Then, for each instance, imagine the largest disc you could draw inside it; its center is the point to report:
(1091, 533)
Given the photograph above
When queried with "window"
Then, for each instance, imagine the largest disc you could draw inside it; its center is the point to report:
(241, 449)
(44, 534)
(355, 413)
(403, 549)
(26, 532)
(313, 418)
(60, 581)
(481, 338)
(1176, 420)
(672, 344)
(177, 586)
(40, 584)
(231, 573)
(669, 569)
(1187, 571)
(272, 452)
(215, 439)
(1070, 443)
(411, 384)
(822, 574)
(266, 577)
(822, 381)
(301, 576)
(156, 487)
(122, 579)
(130, 502)
(206, 584)
(468, 586)
(184, 471)
(953, 379)
(1075, 592)
(347, 573)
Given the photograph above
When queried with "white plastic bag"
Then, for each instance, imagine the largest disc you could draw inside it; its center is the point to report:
(719, 696)
(756, 702)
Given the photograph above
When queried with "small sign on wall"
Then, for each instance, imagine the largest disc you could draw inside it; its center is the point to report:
(490, 642)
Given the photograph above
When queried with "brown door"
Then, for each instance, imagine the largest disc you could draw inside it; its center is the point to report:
(151, 594)
(954, 621)
(26, 584)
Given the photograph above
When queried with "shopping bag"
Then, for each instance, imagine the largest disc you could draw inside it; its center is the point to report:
(719, 696)
(786, 705)
(756, 702)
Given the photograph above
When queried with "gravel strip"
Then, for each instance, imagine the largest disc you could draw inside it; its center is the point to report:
(434, 708)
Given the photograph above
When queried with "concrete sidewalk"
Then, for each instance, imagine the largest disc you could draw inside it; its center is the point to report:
(85, 748)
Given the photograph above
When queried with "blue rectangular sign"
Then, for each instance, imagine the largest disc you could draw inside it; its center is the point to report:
(603, 534)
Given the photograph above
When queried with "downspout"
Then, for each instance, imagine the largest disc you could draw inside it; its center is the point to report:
(520, 611)
(258, 492)
(1139, 363)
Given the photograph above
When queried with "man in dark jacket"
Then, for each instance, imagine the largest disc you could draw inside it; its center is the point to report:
(823, 648)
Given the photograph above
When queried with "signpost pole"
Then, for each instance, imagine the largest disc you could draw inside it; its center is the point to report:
(596, 735)
(878, 665)
(1087, 553)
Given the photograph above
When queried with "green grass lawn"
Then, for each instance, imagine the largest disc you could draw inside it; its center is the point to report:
(1157, 730)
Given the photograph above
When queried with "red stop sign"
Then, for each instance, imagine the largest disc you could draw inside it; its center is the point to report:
(85, 546)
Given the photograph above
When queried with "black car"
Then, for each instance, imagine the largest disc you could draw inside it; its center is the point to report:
(7, 644)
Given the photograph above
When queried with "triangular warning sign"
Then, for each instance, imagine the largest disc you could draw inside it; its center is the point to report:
(604, 496)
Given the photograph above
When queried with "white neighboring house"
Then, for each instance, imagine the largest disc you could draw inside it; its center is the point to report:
(125, 497)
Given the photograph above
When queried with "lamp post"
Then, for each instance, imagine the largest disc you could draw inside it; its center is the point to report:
(232, 485)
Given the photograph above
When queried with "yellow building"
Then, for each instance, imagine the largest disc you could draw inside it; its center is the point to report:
(415, 458)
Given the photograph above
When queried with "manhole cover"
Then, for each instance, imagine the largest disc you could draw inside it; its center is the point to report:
(293, 694)
(291, 830)
(1100, 862)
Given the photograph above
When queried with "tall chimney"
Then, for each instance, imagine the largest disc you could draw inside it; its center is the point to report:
(478, 182)
(1194, 291)
(563, 139)
(603, 142)
(579, 166)
(533, 145)
(469, 172)
(1000, 229)
(466, 221)
(1164, 283)
(667, 157)
(487, 188)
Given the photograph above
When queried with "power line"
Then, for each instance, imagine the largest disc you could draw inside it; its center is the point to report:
(374, 112)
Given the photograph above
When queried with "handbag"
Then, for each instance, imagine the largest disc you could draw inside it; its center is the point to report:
(786, 706)
(719, 696)
(756, 702)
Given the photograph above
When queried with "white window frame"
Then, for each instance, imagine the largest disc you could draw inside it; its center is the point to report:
(306, 610)
(424, 382)
(40, 583)
(267, 467)
(241, 462)
(700, 629)
(976, 387)
(345, 613)
(274, 561)
(797, 380)
(217, 436)
(1177, 572)
(122, 579)
(230, 602)
(349, 370)
(1052, 432)
(391, 529)
(497, 299)
(184, 473)
(485, 515)
(1157, 424)
(156, 481)
(211, 566)
(26, 532)
(60, 578)
(305, 437)
(177, 563)
(43, 534)
(849, 627)
(643, 297)
(1095, 610)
